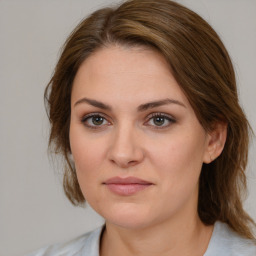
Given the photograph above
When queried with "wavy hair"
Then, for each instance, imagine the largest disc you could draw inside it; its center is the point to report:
(201, 65)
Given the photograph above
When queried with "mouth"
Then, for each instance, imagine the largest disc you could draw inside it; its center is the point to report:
(126, 186)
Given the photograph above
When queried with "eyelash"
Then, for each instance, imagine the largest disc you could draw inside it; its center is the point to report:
(166, 117)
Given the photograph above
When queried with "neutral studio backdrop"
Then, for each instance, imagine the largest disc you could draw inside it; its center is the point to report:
(33, 209)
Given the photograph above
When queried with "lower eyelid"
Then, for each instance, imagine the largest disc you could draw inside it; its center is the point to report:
(165, 126)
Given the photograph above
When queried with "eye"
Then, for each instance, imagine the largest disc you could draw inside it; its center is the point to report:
(94, 120)
(160, 120)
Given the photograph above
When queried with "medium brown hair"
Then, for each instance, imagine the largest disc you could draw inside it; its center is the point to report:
(202, 67)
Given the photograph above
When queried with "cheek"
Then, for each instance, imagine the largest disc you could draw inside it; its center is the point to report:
(88, 154)
(180, 151)
(179, 161)
(178, 166)
(87, 166)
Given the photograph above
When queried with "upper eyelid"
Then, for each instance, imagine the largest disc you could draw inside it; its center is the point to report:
(153, 114)
(160, 114)
(94, 114)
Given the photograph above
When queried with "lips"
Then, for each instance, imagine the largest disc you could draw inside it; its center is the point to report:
(126, 186)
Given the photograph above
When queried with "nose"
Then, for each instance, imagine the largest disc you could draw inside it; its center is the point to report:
(125, 148)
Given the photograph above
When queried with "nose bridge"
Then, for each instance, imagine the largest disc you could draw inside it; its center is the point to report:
(125, 149)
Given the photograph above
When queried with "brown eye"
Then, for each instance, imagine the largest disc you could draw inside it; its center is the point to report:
(160, 120)
(94, 121)
(97, 120)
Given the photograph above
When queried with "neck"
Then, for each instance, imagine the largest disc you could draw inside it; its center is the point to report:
(190, 237)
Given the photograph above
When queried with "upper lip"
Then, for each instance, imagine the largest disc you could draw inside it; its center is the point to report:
(127, 180)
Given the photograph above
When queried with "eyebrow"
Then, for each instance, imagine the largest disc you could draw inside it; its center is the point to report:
(140, 108)
(94, 103)
(159, 103)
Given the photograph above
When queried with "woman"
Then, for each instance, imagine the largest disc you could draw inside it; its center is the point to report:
(143, 106)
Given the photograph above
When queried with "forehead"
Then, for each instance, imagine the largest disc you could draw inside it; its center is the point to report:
(120, 59)
(121, 71)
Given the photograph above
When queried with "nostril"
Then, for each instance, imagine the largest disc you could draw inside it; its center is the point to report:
(131, 163)
(124, 162)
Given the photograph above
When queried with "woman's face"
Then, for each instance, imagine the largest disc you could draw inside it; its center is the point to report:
(137, 144)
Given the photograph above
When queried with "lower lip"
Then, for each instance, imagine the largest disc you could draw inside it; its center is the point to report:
(127, 189)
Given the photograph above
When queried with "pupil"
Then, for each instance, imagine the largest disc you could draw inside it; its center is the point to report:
(97, 120)
(159, 121)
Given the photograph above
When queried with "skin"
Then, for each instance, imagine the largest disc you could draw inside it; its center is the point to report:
(124, 141)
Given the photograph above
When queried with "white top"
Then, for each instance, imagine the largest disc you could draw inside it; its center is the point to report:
(224, 242)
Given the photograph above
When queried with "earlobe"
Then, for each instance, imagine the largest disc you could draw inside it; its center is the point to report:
(216, 142)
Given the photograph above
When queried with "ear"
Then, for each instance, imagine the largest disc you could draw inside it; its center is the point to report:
(216, 139)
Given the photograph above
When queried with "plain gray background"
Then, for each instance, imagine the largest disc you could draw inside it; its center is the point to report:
(33, 209)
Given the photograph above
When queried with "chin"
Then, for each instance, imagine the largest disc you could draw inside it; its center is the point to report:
(129, 223)
(128, 216)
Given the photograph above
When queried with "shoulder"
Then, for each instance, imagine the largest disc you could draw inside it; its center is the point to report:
(226, 242)
(86, 244)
